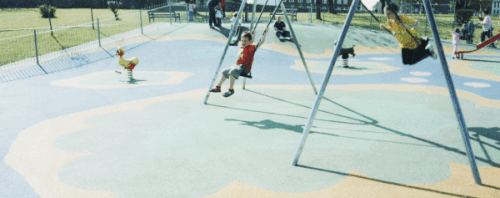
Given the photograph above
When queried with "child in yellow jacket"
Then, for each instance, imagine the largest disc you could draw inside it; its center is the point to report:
(413, 47)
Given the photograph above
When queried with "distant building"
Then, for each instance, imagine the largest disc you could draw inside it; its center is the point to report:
(495, 8)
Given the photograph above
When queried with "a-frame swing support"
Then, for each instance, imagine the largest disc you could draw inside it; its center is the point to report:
(231, 34)
(447, 75)
(297, 45)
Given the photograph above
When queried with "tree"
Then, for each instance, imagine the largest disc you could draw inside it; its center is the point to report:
(334, 6)
(318, 9)
(113, 6)
(330, 6)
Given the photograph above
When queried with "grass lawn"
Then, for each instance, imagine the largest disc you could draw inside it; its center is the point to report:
(17, 32)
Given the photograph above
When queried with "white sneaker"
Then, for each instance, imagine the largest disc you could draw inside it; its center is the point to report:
(430, 48)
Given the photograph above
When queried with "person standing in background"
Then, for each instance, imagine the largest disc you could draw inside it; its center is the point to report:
(211, 12)
(191, 9)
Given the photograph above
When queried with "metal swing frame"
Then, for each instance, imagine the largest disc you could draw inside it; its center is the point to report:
(447, 75)
(232, 32)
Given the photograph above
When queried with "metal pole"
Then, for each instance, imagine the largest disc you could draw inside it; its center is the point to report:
(453, 95)
(296, 42)
(260, 16)
(426, 25)
(314, 110)
(187, 11)
(92, 17)
(268, 23)
(170, 11)
(140, 18)
(231, 33)
(50, 24)
(311, 11)
(254, 9)
(36, 48)
(98, 32)
(37, 53)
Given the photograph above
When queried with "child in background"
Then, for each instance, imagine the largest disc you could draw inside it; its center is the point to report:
(413, 47)
(455, 39)
(233, 19)
(281, 31)
(243, 64)
(191, 10)
(218, 16)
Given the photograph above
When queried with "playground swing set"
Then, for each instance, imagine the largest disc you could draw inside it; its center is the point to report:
(253, 27)
(338, 51)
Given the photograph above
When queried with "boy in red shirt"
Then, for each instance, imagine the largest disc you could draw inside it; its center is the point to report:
(243, 64)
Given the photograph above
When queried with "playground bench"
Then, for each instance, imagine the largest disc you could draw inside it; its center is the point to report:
(154, 14)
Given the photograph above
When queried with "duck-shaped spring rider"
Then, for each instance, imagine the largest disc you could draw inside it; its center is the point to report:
(127, 64)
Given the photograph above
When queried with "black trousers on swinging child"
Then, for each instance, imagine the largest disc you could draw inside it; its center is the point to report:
(413, 56)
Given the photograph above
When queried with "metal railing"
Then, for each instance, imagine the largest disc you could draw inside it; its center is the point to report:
(48, 50)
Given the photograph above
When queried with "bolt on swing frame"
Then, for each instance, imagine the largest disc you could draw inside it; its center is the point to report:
(231, 34)
(447, 75)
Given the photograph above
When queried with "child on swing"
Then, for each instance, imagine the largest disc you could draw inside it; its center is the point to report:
(243, 64)
(413, 47)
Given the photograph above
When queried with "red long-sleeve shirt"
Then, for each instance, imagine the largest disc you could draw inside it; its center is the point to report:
(246, 57)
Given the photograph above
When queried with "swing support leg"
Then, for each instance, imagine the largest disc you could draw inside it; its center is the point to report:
(231, 34)
(324, 83)
(453, 94)
(270, 20)
(295, 41)
(447, 75)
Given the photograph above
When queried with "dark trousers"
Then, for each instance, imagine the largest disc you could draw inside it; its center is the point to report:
(218, 22)
(413, 56)
(485, 35)
(211, 17)
(283, 33)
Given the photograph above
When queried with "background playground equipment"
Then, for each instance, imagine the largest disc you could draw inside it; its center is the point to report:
(490, 41)
(444, 64)
(252, 27)
(127, 64)
(344, 52)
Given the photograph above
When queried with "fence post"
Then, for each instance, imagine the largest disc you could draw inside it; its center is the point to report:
(37, 53)
(92, 17)
(170, 11)
(311, 12)
(426, 24)
(50, 23)
(36, 47)
(98, 32)
(140, 17)
(187, 12)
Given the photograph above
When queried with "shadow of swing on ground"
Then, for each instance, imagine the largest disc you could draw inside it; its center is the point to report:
(135, 81)
(270, 124)
(388, 182)
(480, 60)
(225, 32)
(492, 133)
(355, 68)
(369, 121)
